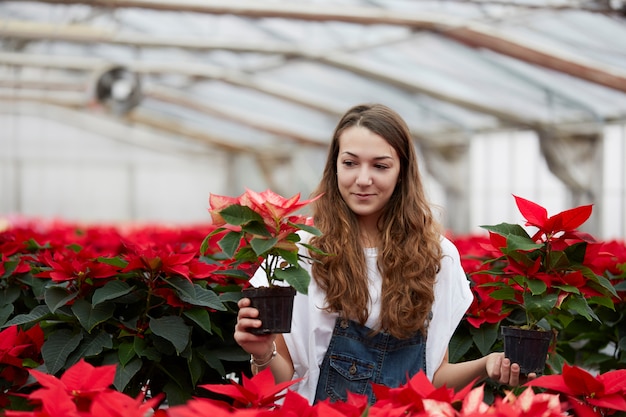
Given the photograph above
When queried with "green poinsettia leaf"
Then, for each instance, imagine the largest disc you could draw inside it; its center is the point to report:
(195, 368)
(33, 246)
(230, 297)
(146, 350)
(314, 249)
(195, 294)
(579, 305)
(576, 252)
(172, 329)
(603, 301)
(289, 256)
(126, 352)
(37, 285)
(484, 337)
(536, 286)
(295, 276)
(311, 229)
(261, 246)
(57, 348)
(91, 345)
(9, 294)
(90, 316)
(505, 293)
(256, 228)
(36, 314)
(204, 246)
(235, 273)
(567, 288)
(123, 374)
(607, 286)
(246, 254)
(237, 215)
(116, 261)
(5, 313)
(521, 243)
(57, 297)
(9, 267)
(200, 317)
(213, 361)
(177, 391)
(538, 306)
(230, 242)
(459, 345)
(506, 229)
(110, 291)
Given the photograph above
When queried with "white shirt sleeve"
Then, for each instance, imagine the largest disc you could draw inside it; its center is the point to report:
(453, 297)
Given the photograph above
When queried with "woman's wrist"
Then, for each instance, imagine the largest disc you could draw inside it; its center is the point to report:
(262, 362)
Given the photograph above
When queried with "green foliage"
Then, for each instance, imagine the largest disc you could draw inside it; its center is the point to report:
(162, 329)
(558, 279)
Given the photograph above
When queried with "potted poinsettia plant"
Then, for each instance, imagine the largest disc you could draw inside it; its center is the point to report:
(260, 230)
(542, 279)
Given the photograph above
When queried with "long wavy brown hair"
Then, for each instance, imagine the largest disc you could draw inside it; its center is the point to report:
(409, 253)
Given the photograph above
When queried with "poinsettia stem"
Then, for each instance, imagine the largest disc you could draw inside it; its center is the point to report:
(271, 262)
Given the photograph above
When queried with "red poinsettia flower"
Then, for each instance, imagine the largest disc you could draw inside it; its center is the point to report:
(485, 310)
(159, 259)
(295, 404)
(198, 407)
(78, 267)
(17, 348)
(261, 231)
(260, 391)
(73, 392)
(565, 221)
(273, 207)
(84, 391)
(587, 393)
(527, 404)
(413, 394)
(355, 406)
(111, 403)
(218, 203)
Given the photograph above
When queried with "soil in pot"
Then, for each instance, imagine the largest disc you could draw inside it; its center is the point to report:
(528, 348)
(275, 305)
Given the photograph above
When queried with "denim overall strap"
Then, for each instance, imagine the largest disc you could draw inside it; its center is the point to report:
(356, 358)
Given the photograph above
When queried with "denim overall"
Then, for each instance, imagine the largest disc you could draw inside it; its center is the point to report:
(356, 358)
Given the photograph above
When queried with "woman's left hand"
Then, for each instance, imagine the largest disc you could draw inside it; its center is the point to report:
(501, 370)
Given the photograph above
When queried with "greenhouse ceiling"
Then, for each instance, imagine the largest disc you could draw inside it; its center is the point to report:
(265, 76)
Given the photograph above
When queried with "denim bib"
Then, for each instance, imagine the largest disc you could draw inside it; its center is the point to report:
(356, 358)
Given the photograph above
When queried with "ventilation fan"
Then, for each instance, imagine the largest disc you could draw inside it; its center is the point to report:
(118, 89)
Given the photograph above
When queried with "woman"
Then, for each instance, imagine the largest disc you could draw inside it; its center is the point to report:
(386, 302)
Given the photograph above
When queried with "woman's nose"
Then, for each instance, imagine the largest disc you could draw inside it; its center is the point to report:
(364, 178)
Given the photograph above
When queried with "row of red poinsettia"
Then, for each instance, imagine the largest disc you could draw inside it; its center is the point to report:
(156, 303)
(85, 391)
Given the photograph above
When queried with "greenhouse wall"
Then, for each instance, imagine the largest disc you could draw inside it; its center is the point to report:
(53, 169)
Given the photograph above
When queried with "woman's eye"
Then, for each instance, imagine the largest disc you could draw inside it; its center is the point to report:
(381, 166)
(348, 163)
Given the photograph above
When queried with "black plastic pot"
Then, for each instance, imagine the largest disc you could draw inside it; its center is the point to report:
(528, 348)
(275, 305)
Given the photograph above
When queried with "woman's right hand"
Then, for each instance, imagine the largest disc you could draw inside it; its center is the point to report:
(260, 346)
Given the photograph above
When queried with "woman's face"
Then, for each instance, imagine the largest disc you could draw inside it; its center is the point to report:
(367, 171)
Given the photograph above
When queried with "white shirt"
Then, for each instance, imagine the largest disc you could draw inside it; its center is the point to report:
(312, 328)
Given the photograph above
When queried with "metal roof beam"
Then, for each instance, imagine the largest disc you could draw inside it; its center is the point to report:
(470, 33)
(334, 59)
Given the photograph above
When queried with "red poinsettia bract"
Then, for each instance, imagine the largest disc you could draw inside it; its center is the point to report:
(566, 221)
(588, 395)
(260, 391)
(82, 391)
(19, 350)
